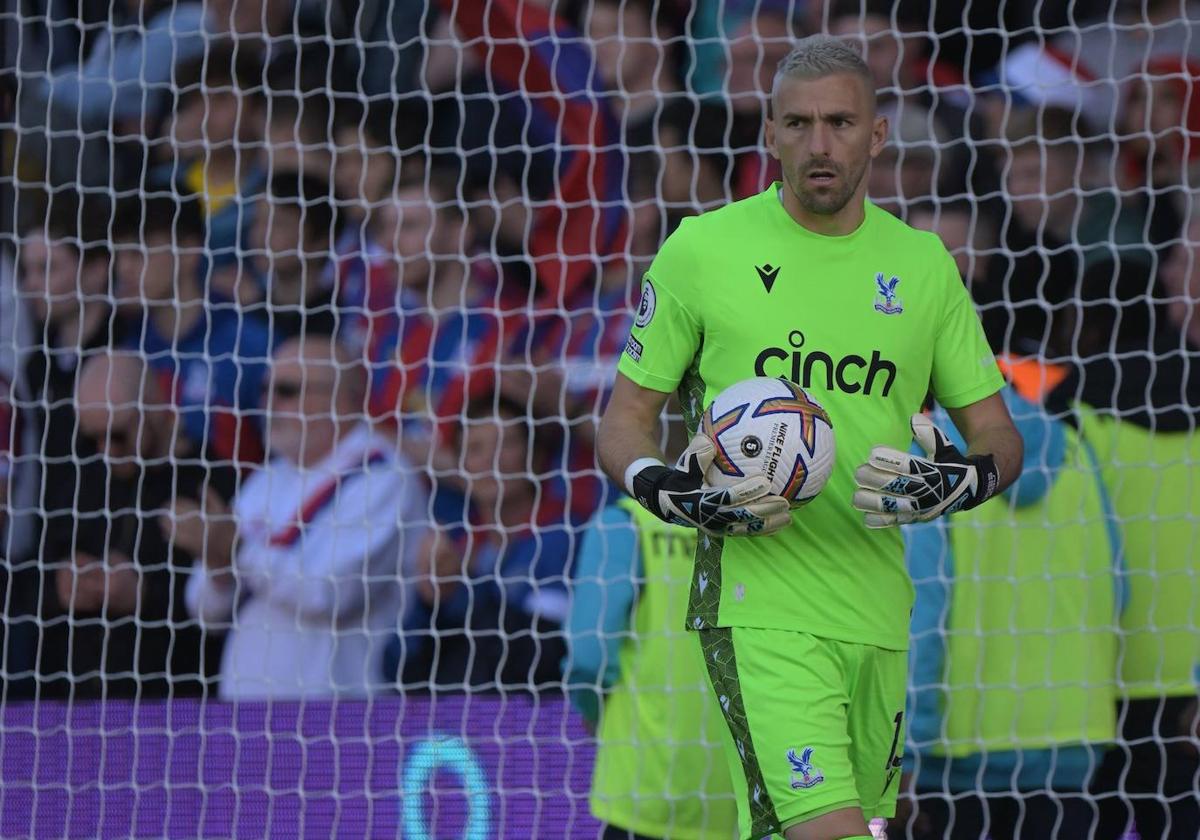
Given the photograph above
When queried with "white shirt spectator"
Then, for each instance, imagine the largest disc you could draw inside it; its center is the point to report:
(318, 568)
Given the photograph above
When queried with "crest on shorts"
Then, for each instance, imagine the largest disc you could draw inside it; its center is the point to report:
(804, 775)
(885, 295)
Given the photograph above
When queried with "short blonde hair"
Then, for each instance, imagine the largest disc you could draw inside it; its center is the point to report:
(818, 56)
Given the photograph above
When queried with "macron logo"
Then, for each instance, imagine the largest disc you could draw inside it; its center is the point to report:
(767, 274)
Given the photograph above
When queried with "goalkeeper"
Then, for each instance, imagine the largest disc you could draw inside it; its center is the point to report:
(804, 628)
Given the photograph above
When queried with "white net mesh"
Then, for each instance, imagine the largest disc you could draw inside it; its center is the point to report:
(308, 313)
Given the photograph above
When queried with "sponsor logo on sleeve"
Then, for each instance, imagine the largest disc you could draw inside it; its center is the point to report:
(633, 348)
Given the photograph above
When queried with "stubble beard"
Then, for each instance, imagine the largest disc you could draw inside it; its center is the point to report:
(826, 203)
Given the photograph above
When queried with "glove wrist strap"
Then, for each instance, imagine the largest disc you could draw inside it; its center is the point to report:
(988, 481)
(636, 467)
(646, 485)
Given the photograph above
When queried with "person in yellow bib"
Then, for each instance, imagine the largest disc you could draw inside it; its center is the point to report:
(1134, 393)
(803, 615)
(1013, 658)
(637, 678)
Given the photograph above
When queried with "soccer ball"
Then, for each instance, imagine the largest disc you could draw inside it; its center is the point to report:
(773, 428)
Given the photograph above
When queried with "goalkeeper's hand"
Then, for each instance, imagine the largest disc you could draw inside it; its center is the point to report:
(895, 488)
(681, 497)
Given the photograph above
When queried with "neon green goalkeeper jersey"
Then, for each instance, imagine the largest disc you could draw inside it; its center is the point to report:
(869, 323)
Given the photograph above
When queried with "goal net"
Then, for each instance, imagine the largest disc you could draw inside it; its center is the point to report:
(308, 314)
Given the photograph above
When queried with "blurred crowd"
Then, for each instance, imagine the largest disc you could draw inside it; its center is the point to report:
(309, 308)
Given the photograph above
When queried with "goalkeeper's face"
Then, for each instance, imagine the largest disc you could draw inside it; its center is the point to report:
(825, 132)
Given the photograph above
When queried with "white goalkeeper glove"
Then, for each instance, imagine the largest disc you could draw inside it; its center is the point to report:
(681, 497)
(895, 488)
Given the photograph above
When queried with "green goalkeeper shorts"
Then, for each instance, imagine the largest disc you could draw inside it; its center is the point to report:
(816, 725)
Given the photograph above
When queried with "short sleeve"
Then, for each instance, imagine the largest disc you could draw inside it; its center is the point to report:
(666, 330)
(964, 367)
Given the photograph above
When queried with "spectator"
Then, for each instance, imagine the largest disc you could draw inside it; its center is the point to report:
(636, 678)
(325, 532)
(581, 345)
(229, 135)
(1156, 156)
(631, 57)
(925, 100)
(575, 351)
(295, 228)
(757, 46)
(761, 34)
(1026, 291)
(418, 276)
(1082, 70)
(217, 115)
(17, 441)
(211, 137)
(63, 282)
(907, 170)
(1136, 396)
(687, 160)
(710, 148)
(364, 174)
(440, 320)
(892, 46)
(1014, 653)
(391, 51)
(491, 578)
(247, 20)
(449, 331)
(207, 357)
(546, 249)
(1057, 244)
(364, 164)
(120, 87)
(1045, 171)
(1181, 282)
(1162, 124)
(119, 573)
(243, 136)
(297, 134)
(968, 233)
(1119, 305)
(558, 216)
(661, 127)
(423, 234)
(288, 32)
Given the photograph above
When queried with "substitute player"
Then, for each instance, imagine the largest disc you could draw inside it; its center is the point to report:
(804, 628)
